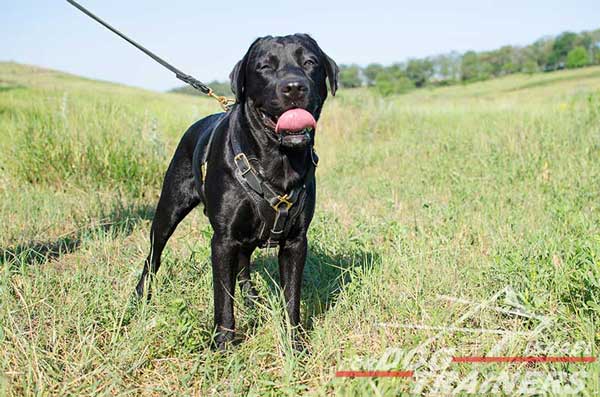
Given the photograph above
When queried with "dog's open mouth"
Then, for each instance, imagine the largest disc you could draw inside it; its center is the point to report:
(293, 127)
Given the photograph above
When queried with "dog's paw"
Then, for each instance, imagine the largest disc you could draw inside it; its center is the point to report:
(299, 345)
(132, 307)
(223, 340)
(222, 347)
(251, 297)
(299, 341)
(252, 300)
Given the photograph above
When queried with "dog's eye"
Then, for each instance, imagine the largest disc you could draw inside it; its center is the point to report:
(264, 67)
(309, 62)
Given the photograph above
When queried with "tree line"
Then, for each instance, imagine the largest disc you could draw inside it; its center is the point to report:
(567, 50)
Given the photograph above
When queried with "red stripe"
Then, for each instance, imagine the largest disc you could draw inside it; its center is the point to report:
(374, 374)
(519, 359)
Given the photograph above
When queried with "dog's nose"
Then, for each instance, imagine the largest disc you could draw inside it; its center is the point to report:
(294, 89)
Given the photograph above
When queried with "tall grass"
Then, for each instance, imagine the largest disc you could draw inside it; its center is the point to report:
(457, 191)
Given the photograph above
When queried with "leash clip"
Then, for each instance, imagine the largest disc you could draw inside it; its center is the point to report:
(226, 103)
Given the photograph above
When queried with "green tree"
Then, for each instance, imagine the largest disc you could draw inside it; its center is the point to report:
(595, 35)
(371, 72)
(530, 67)
(499, 62)
(475, 67)
(419, 71)
(577, 58)
(393, 80)
(469, 66)
(562, 45)
(447, 68)
(349, 76)
(585, 40)
(540, 51)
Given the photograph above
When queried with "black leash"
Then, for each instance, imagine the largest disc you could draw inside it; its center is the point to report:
(225, 102)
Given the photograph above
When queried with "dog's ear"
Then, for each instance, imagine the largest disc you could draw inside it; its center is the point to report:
(238, 74)
(238, 79)
(332, 72)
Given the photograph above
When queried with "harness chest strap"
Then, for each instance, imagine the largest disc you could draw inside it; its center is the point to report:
(281, 204)
(286, 206)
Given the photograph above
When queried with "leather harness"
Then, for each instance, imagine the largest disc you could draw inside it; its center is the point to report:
(282, 210)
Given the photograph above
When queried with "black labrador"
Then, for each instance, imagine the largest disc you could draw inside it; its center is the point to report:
(257, 185)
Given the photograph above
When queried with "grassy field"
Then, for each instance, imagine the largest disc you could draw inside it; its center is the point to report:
(447, 193)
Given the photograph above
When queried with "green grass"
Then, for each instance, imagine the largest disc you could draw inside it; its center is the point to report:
(457, 191)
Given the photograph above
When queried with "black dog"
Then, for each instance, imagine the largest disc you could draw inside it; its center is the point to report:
(257, 186)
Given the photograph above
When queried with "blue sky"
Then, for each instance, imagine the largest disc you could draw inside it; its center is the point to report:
(206, 38)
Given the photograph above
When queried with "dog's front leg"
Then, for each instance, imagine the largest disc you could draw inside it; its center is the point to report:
(292, 256)
(224, 264)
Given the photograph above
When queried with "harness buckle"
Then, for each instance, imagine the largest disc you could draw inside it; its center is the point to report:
(282, 200)
(242, 159)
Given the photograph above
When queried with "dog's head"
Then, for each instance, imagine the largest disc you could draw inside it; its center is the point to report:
(282, 73)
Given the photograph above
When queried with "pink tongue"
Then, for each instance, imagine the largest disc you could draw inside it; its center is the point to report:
(295, 120)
